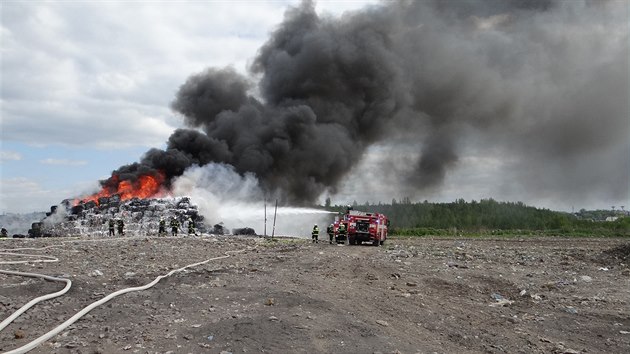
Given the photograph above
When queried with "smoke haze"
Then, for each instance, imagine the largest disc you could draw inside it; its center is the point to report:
(540, 85)
(222, 194)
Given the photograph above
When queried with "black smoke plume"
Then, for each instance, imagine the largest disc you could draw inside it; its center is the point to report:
(544, 82)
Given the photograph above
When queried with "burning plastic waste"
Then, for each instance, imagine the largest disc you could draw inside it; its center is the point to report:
(144, 186)
(140, 217)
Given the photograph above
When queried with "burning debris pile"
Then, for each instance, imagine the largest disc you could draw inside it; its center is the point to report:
(141, 217)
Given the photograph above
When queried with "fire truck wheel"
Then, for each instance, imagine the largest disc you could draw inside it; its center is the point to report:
(382, 242)
(375, 243)
(351, 241)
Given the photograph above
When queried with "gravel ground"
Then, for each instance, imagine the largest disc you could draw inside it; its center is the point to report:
(420, 295)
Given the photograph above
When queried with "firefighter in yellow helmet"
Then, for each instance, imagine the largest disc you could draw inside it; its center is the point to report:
(162, 227)
(121, 227)
(330, 230)
(174, 226)
(342, 232)
(315, 234)
(191, 227)
(112, 224)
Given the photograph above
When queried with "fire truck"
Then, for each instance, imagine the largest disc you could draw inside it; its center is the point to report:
(363, 227)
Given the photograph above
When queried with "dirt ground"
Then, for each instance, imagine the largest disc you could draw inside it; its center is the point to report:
(417, 295)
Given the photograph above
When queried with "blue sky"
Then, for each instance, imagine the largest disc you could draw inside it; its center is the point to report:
(57, 171)
(86, 87)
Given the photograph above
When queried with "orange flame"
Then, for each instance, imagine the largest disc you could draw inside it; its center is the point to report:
(146, 186)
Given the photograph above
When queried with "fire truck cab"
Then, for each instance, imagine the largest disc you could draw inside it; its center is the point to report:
(364, 227)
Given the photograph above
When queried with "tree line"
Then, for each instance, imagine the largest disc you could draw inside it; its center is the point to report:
(486, 216)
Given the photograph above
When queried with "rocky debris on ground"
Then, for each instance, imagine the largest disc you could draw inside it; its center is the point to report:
(244, 231)
(289, 295)
(616, 255)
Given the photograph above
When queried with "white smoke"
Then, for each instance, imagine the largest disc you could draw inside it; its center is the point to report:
(60, 215)
(237, 201)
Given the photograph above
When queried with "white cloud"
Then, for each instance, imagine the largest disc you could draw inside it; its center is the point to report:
(10, 156)
(490, 22)
(104, 73)
(115, 82)
(23, 195)
(63, 162)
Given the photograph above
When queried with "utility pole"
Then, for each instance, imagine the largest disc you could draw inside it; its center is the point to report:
(265, 217)
(273, 231)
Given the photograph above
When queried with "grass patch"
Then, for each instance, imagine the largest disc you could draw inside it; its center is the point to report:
(563, 232)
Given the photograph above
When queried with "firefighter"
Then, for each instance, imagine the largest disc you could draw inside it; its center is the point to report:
(174, 226)
(315, 234)
(112, 224)
(121, 227)
(4, 233)
(162, 228)
(341, 231)
(330, 230)
(191, 227)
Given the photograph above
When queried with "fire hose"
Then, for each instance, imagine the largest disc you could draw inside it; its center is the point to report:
(36, 300)
(31, 303)
(33, 344)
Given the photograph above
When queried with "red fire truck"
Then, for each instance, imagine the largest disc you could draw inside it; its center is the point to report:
(362, 226)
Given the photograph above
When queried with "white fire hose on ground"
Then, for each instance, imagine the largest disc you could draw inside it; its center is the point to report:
(36, 300)
(33, 344)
